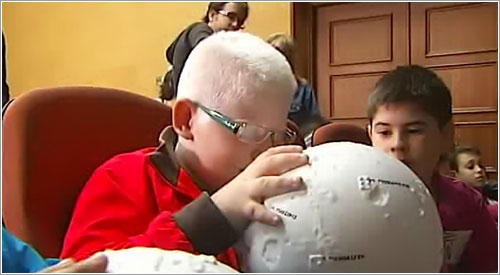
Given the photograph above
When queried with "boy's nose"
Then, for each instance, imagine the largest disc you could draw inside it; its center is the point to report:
(234, 25)
(478, 169)
(398, 144)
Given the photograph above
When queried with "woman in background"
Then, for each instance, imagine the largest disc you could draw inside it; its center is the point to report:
(304, 110)
(220, 16)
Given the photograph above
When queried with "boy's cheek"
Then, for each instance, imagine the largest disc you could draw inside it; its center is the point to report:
(378, 143)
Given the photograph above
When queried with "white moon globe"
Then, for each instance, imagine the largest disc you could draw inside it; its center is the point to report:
(363, 211)
(145, 260)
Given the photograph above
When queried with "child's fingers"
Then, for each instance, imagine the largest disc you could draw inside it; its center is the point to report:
(267, 187)
(278, 164)
(95, 264)
(60, 265)
(259, 213)
(283, 149)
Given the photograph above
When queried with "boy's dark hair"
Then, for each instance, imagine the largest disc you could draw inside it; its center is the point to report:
(217, 6)
(413, 84)
(453, 156)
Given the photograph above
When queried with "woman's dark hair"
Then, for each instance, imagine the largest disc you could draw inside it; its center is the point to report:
(217, 6)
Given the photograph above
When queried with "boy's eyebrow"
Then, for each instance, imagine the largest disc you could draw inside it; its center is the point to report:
(381, 124)
(416, 123)
(411, 123)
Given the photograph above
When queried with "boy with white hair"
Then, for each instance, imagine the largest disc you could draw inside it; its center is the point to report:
(214, 167)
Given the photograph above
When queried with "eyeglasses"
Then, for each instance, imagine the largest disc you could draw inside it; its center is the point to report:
(250, 133)
(233, 17)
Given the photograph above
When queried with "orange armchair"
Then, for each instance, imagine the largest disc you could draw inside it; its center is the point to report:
(53, 139)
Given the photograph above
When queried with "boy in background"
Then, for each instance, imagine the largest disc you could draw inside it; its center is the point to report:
(465, 163)
(410, 115)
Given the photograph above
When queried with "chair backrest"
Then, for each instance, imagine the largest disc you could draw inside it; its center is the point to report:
(53, 139)
(335, 131)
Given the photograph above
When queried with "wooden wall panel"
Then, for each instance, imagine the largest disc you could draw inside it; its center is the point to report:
(474, 88)
(469, 22)
(361, 40)
(448, 33)
(353, 40)
(350, 95)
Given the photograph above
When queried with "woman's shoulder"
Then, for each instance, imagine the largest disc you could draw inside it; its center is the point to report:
(199, 26)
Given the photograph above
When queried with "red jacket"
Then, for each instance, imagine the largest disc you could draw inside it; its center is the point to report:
(129, 201)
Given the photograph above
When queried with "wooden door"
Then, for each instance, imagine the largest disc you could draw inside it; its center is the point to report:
(459, 41)
(356, 43)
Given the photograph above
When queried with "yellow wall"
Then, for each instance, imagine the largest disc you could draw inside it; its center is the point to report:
(118, 45)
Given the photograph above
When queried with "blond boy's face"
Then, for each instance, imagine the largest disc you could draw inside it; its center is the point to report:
(406, 132)
(470, 169)
(221, 154)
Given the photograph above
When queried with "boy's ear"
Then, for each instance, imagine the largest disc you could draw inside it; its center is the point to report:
(182, 117)
(369, 129)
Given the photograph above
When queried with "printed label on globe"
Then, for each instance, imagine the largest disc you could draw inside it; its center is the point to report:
(367, 183)
(317, 260)
(284, 212)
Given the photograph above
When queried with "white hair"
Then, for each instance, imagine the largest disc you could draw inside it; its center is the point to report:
(234, 66)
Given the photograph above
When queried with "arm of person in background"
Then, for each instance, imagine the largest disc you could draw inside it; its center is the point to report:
(19, 257)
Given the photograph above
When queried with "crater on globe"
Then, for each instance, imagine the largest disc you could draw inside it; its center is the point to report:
(363, 211)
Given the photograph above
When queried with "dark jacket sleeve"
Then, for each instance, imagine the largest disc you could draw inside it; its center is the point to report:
(195, 34)
(201, 218)
(198, 33)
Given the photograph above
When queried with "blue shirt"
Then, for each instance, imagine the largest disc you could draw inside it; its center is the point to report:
(19, 257)
(304, 110)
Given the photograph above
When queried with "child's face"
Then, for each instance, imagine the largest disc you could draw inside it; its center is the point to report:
(470, 169)
(405, 131)
(221, 154)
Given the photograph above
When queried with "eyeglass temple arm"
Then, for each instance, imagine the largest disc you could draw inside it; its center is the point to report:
(233, 126)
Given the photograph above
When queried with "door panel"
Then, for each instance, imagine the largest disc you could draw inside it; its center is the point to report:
(453, 33)
(350, 95)
(354, 41)
(474, 88)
